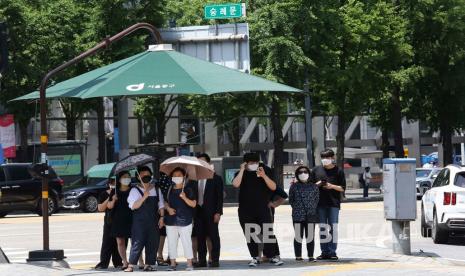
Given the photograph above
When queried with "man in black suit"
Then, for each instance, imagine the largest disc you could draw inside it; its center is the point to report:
(207, 217)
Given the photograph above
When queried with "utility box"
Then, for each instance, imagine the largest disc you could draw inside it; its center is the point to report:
(400, 199)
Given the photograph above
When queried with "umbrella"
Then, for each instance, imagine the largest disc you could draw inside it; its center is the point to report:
(196, 169)
(159, 70)
(131, 162)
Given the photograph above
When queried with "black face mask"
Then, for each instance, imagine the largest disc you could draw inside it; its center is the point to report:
(146, 179)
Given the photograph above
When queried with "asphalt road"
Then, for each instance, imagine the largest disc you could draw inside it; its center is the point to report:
(79, 234)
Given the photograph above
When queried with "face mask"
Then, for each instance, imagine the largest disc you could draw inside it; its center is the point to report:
(177, 180)
(326, 161)
(146, 179)
(125, 181)
(112, 186)
(303, 177)
(212, 167)
(252, 167)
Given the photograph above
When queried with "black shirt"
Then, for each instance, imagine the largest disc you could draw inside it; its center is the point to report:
(101, 199)
(329, 198)
(254, 194)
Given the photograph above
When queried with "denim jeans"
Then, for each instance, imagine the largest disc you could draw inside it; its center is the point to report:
(329, 216)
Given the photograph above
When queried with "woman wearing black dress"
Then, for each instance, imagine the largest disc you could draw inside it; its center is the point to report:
(122, 215)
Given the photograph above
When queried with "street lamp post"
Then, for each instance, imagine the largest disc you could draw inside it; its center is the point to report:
(308, 114)
(46, 254)
(308, 125)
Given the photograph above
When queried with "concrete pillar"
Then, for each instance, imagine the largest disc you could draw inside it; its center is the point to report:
(401, 237)
(92, 143)
(211, 139)
(133, 126)
(172, 128)
(123, 128)
(414, 149)
(318, 133)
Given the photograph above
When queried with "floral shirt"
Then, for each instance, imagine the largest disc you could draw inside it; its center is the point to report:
(304, 197)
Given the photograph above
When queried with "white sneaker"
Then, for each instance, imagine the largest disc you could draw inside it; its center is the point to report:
(189, 268)
(254, 262)
(276, 260)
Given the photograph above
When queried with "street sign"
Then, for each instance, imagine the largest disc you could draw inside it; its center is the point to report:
(225, 11)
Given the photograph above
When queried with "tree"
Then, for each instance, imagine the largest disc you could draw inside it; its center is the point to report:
(225, 111)
(24, 71)
(156, 111)
(277, 54)
(395, 74)
(438, 34)
(347, 56)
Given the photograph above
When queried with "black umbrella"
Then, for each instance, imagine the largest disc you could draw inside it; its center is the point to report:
(131, 162)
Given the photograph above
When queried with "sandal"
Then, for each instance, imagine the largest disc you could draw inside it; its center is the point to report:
(149, 268)
(161, 262)
(129, 269)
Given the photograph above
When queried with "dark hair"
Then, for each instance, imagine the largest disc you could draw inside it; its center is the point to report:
(123, 173)
(251, 157)
(144, 169)
(327, 153)
(299, 168)
(204, 155)
(178, 169)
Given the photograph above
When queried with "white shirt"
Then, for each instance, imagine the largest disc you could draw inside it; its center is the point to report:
(202, 184)
(134, 196)
(367, 177)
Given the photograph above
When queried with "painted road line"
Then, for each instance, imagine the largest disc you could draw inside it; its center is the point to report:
(82, 254)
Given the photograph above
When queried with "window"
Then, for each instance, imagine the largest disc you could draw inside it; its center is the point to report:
(446, 179)
(460, 180)
(438, 181)
(423, 173)
(16, 173)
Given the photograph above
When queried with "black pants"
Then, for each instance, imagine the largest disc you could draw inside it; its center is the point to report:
(109, 249)
(274, 245)
(143, 236)
(365, 189)
(206, 227)
(256, 220)
(307, 230)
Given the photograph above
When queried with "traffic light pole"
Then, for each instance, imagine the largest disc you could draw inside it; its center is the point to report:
(46, 254)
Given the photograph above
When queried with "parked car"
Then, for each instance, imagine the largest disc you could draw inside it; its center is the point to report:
(21, 190)
(83, 194)
(443, 206)
(424, 180)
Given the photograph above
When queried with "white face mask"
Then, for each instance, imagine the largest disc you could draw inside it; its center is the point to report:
(177, 180)
(303, 177)
(112, 186)
(252, 167)
(326, 161)
(125, 181)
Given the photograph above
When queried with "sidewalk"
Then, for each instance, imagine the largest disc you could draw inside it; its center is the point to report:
(355, 260)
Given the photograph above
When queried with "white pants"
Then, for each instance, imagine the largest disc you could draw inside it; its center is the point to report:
(173, 233)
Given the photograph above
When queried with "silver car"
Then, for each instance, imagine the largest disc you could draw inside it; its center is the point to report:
(424, 179)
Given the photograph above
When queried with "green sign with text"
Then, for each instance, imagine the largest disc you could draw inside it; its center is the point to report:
(224, 11)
